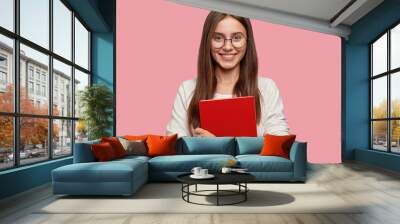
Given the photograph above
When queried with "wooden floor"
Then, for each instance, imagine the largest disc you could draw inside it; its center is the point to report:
(377, 188)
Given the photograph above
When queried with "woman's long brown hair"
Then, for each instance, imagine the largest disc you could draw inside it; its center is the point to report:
(206, 83)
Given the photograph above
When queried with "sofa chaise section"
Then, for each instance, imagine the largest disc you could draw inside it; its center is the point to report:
(87, 177)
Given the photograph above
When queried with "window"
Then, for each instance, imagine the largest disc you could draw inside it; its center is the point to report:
(44, 91)
(37, 89)
(46, 120)
(7, 14)
(30, 72)
(3, 61)
(62, 29)
(35, 21)
(81, 45)
(30, 87)
(38, 72)
(43, 77)
(6, 73)
(3, 78)
(385, 91)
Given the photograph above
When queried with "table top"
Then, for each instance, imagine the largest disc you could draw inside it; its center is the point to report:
(220, 178)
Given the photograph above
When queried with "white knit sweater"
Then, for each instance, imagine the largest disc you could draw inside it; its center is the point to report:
(273, 120)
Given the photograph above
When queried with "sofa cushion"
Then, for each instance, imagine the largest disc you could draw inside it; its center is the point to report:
(249, 145)
(159, 145)
(134, 147)
(257, 163)
(185, 163)
(206, 145)
(103, 152)
(111, 171)
(116, 145)
(277, 145)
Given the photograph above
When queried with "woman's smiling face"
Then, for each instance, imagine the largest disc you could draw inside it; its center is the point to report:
(228, 53)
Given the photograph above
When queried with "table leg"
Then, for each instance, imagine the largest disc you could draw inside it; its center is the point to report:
(196, 188)
(245, 193)
(217, 194)
(188, 190)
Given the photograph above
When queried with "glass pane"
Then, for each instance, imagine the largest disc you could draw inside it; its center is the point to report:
(81, 45)
(33, 139)
(7, 14)
(395, 136)
(379, 100)
(62, 29)
(34, 79)
(62, 138)
(395, 47)
(62, 89)
(6, 74)
(395, 94)
(379, 135)
(81, 81)
(35, 21)
(81, 131)
(6, 142)
(379, 55)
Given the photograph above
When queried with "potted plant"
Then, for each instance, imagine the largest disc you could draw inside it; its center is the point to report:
(96, 102)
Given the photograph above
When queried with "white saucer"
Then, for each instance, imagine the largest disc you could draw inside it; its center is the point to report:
(208, 176)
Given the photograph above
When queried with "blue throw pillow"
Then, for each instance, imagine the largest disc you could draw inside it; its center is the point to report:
(206, 145)
(249, 145)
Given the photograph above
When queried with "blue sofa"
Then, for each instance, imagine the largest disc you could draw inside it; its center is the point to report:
(125, 176)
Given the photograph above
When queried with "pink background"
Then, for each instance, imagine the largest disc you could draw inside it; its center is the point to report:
(157, 47)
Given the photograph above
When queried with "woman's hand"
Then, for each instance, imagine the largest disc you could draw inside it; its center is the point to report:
(199, 132)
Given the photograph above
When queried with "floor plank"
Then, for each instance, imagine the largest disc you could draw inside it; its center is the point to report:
(377, 190)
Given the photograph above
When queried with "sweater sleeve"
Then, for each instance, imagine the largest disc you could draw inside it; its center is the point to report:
(273, 117)
(178, 121)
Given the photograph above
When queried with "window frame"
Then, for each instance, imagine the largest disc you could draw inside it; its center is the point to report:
(16, 115)
(388, 74)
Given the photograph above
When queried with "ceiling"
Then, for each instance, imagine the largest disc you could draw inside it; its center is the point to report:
(326, 16)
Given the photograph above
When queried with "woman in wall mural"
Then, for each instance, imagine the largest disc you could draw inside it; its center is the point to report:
(227, 67)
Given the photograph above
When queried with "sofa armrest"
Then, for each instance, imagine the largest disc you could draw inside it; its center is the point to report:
(298, 155)
(83, 152)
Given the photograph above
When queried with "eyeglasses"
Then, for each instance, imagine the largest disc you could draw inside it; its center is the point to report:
(238, 40)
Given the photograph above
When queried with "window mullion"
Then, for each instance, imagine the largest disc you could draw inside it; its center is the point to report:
(16, 84)
(389, 75)
(50, 79)
(73, 82)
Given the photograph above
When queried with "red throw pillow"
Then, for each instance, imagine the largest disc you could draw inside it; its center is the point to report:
(116, 145)
(277, 145)
(161, 145)
(103, 151)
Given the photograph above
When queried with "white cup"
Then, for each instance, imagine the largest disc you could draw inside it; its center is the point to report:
(196, 171)
(203, 172)
(226, 170)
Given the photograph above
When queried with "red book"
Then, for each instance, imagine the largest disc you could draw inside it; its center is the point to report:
(229, 117)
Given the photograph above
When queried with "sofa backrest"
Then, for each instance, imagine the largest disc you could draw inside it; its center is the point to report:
(249, 145)
(205, 145)
(83, 152)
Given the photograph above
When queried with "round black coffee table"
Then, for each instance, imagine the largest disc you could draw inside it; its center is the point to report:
(238, 179)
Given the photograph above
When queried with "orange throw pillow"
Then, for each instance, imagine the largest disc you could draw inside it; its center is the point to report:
(277, 145)
(161, 145)
(135, 138)
(103, 152)
(116, 145)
